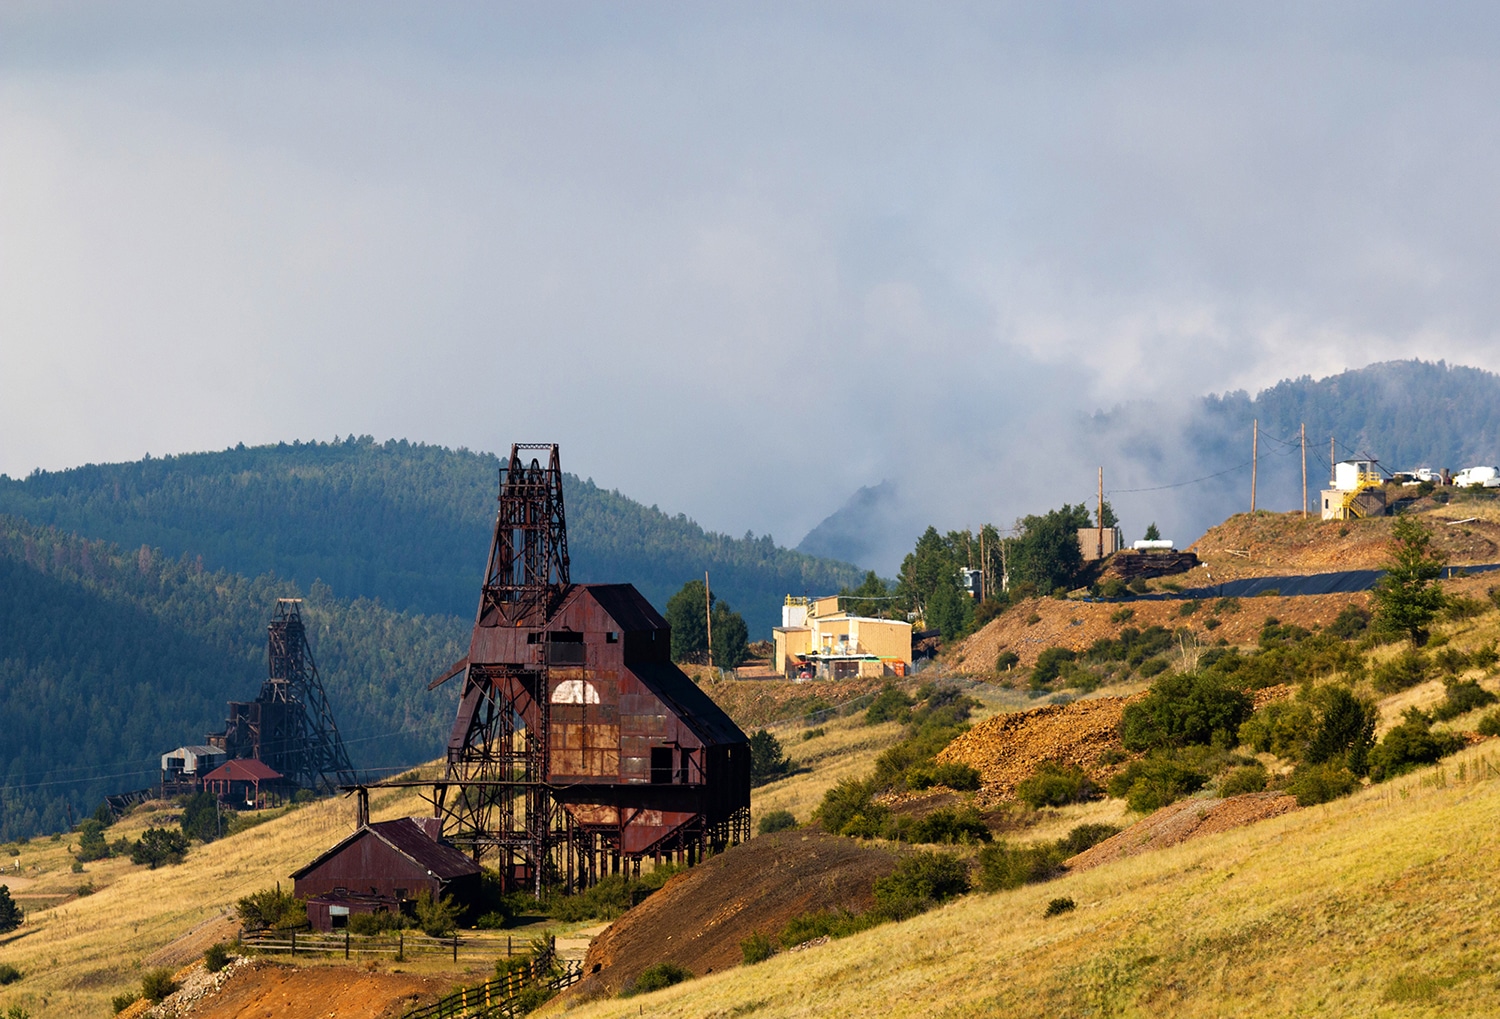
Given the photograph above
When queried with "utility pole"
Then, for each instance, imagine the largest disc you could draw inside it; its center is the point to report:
(708, 615)
(1254, 460)
(1333, 474)
(1099, 553)
(984, 564)
(1304, 470)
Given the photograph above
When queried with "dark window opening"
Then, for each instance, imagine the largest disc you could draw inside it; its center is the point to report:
(338, 921)
(661, 765)
(400, 893)
(682, 772)
(611, 637)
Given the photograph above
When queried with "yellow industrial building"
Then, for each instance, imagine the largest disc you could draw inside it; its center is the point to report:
(818, 639)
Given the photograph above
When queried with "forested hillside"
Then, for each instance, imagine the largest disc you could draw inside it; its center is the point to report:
(109, 658)
(405, 523)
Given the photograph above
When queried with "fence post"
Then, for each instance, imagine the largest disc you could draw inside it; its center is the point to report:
(455, 946)
(346, 942)
(400, 946)
(294, 941)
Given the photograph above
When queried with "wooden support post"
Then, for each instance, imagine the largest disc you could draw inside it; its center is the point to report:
(1304, 470)
(400, 946)
(1099, 554)
(294, 941)
(708, 615)
(455, 946)
(346, 942)
(1254, 460)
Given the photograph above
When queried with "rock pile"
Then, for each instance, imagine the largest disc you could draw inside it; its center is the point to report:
(1183, 820)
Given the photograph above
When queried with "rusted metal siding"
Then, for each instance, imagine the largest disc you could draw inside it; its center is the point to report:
(367, 866)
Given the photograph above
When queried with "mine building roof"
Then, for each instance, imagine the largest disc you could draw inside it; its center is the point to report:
(406, 836)
(246, 769)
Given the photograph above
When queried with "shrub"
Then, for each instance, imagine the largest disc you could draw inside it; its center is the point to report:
(1351, 623)
(1282, 728)
(1249, 778)
(159, 846)
(203, 819)
(271, 907)
(607, 899)
(829, 923)
(1006, 660)
(1083, 837)
(1459, 607)
(1059, 906)
(1489, 725)
(1402, 672)
(156, 984)
(1154, 667)
(437, 916)
(1122, 615)
(889, 705)
(217, 956)
(1004, 866)
(1049, 664)
(757, 948)
(1055, 785)
(91, 843)
(1463, 697)
(920, 882)
(1185, 709)
(1188, 607)
(1451, 660)
(77, 867)
(1112, 587)
(808, 734)
(1320, 783)
(1410, 745)
(776, 820)
(494, 920)
(8, 974)
(656, 977)
(767, 762)
(11, 914)
(370, 924)
(1153, 783)
(953, 774)
(121, 1002)
(949, 826)
(845, 801)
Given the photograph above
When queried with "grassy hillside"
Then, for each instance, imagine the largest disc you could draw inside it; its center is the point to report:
(110, 658)
(1376, 905)
(406, 523)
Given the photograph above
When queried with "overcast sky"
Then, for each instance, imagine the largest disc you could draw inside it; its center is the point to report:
(739, 259)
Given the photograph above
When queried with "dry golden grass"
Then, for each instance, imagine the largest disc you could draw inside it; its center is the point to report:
(76, 956)
(1377, 905)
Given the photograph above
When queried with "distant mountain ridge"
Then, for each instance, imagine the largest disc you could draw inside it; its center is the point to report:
(406, 523)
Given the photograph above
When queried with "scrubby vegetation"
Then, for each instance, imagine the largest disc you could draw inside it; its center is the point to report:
(656, 977)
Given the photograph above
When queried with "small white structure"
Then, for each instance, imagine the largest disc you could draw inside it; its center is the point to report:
(1153, 544)
(186, 764)
(1477, 477)
(1351, 475)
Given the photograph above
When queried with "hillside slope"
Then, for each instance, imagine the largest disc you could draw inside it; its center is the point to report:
(1377, 905)
(406, 523)
(110, 658)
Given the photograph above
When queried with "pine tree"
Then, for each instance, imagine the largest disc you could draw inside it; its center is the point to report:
(1406, 599)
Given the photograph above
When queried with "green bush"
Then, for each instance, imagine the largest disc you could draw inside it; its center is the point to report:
(91, 843)
(1154, 667)
(756, 948)
(121, 1002)
(1411, 745)
(1049, 664)
(845, 801)
(776, 820)
(767, 762)
(217, 956)
(810, 734)
(1122, 615)
(159, 846)
(829, 923)
(8, 974)
(1248, 778)
(11, 914)
(1185, 709)
(1059, 906)
(271, 907)
(437, 917)
(656, 977)
(889, 705)
(948, 826)
(1153, 783)
(1405, 670)
(494, 920)
(1321, 783)
(952, 774)
(1053, 784)
(156, 984)
(1463, 697)
(370, 924)
(1006, 660)
(1489, 725)
(1003, 866)
(1083, 837)
(1351, 623)
(920, 882)
(203, 818)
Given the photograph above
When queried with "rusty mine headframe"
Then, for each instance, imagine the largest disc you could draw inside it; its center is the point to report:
(579, 748)
(289, 726)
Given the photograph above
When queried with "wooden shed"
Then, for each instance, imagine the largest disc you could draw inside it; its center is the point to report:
(387, 862)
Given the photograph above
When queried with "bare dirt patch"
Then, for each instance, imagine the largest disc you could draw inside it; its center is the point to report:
(1186, 819)
(267, 989)
(194, 943)
(1007, 748)
(699, 918)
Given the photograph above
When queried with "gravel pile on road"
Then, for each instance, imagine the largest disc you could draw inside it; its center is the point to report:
(1186, 819)
(195, 983)
(1007, 748)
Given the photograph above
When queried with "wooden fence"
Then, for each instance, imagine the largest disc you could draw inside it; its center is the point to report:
(399, 944)
(501, 998)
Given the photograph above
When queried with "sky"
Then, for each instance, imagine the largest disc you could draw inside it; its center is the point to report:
(739, 259)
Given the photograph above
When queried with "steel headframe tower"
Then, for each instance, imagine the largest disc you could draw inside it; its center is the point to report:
(497, 751)
(298, 736)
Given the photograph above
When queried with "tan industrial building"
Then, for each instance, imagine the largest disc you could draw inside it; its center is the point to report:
(1358, 491)
(818, 639)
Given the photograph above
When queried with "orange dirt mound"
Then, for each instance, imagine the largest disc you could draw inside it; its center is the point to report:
(316, 992)
(1075, 625)
(1187, 819)
(699, 918)
(1007, 748)
(194, 943)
